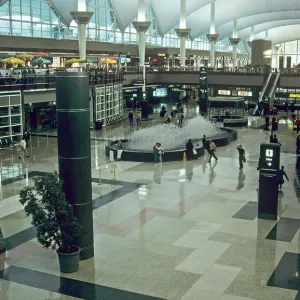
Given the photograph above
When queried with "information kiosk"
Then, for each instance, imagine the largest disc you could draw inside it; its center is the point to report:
(269, 165)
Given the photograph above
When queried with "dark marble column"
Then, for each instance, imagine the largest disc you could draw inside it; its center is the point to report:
(74, 153)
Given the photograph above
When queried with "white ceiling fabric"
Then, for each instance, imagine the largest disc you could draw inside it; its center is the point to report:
(282, 34)
(64, 7)
(263, 14)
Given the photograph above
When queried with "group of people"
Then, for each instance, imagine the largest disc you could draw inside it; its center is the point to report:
(137, 119)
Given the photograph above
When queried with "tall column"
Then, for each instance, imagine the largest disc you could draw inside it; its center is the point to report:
(212, 36)
(82, 18)
(267, 34)
(141, 27)
(277, 48)
(74, 151)
(261, 52)
(183, 33)
(234, 40)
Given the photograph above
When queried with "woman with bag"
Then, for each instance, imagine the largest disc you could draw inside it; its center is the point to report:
(242, 158)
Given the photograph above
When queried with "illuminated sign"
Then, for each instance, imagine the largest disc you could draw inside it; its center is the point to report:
(269, 153)
(224, 92)
(56, 62)
(161, 54)
(245, 94)
(130, 91)
(294, 95)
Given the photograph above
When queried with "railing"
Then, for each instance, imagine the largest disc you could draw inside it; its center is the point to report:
(227, 70)
(265, 86)
(274, 87)
(35, 81)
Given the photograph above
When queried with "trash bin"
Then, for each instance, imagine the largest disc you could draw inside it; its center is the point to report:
(98, 125)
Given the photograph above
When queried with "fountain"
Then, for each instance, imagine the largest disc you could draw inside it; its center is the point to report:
(139, 145)
(171, 136)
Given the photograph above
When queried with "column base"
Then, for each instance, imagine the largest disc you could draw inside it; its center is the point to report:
(212, 37)
(234, 41)
(82, 17)
(183, 32)
(141, 26)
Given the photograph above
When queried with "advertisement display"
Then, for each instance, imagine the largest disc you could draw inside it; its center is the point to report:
(162, 92)
(224, 92)
(245, 94)
(56, 62)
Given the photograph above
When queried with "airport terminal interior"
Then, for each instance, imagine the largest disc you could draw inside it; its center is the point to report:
(149, 150)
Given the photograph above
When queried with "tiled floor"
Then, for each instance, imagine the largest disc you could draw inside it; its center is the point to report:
(181, 231)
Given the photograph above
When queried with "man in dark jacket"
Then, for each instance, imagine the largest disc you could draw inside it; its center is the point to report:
(205, 143)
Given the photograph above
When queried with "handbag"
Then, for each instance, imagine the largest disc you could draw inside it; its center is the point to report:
(195, 152)
(244, 159)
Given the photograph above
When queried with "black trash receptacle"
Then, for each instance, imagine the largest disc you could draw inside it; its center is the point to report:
(98, 125)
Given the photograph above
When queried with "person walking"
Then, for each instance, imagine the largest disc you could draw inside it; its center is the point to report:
(180, 119)
(138, 119)
(293, 116)
(23, 149)
(156, 153)
(281, 175)
(167, 119)
(297, 125)
(298, 144)
(205, 143)
(26, 136)
(271, 137)
(212, 151)
(189, 150)
(275, 140)
(130, 118)
(242, 157)
(160, 153)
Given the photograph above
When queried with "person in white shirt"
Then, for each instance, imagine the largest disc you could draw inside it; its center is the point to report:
(212, 151)
(23, 148)
(160, 152)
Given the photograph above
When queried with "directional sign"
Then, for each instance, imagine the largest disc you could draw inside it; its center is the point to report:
(269, 153)
(269, 164)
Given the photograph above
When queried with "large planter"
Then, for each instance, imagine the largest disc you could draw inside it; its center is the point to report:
(69, 262)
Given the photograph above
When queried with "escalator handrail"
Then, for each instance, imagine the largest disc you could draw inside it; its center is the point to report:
(272, 91)
(265, 86)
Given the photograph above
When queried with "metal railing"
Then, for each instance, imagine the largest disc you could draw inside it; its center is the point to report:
(36, 81)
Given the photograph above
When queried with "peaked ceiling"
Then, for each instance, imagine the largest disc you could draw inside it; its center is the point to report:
(262, 14)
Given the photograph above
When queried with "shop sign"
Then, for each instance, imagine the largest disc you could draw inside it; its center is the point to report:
(161, 54)
(224, 92)
(245, 94)
(294, 95)
(130, 91)
(138, 82)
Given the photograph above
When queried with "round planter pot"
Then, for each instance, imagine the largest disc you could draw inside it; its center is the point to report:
(69, 262)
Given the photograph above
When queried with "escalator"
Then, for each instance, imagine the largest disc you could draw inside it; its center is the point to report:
(268, 86)
(267, 95)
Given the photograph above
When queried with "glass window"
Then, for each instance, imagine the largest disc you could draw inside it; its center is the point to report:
(4, 27)
(16, 28)
(37, 30)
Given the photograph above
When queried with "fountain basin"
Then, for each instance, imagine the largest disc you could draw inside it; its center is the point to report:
(227, 136)
(231, 121)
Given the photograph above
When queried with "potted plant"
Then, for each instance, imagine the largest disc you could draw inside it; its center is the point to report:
(53, 217)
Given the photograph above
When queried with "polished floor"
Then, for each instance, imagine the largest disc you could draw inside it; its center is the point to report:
(180, 231)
